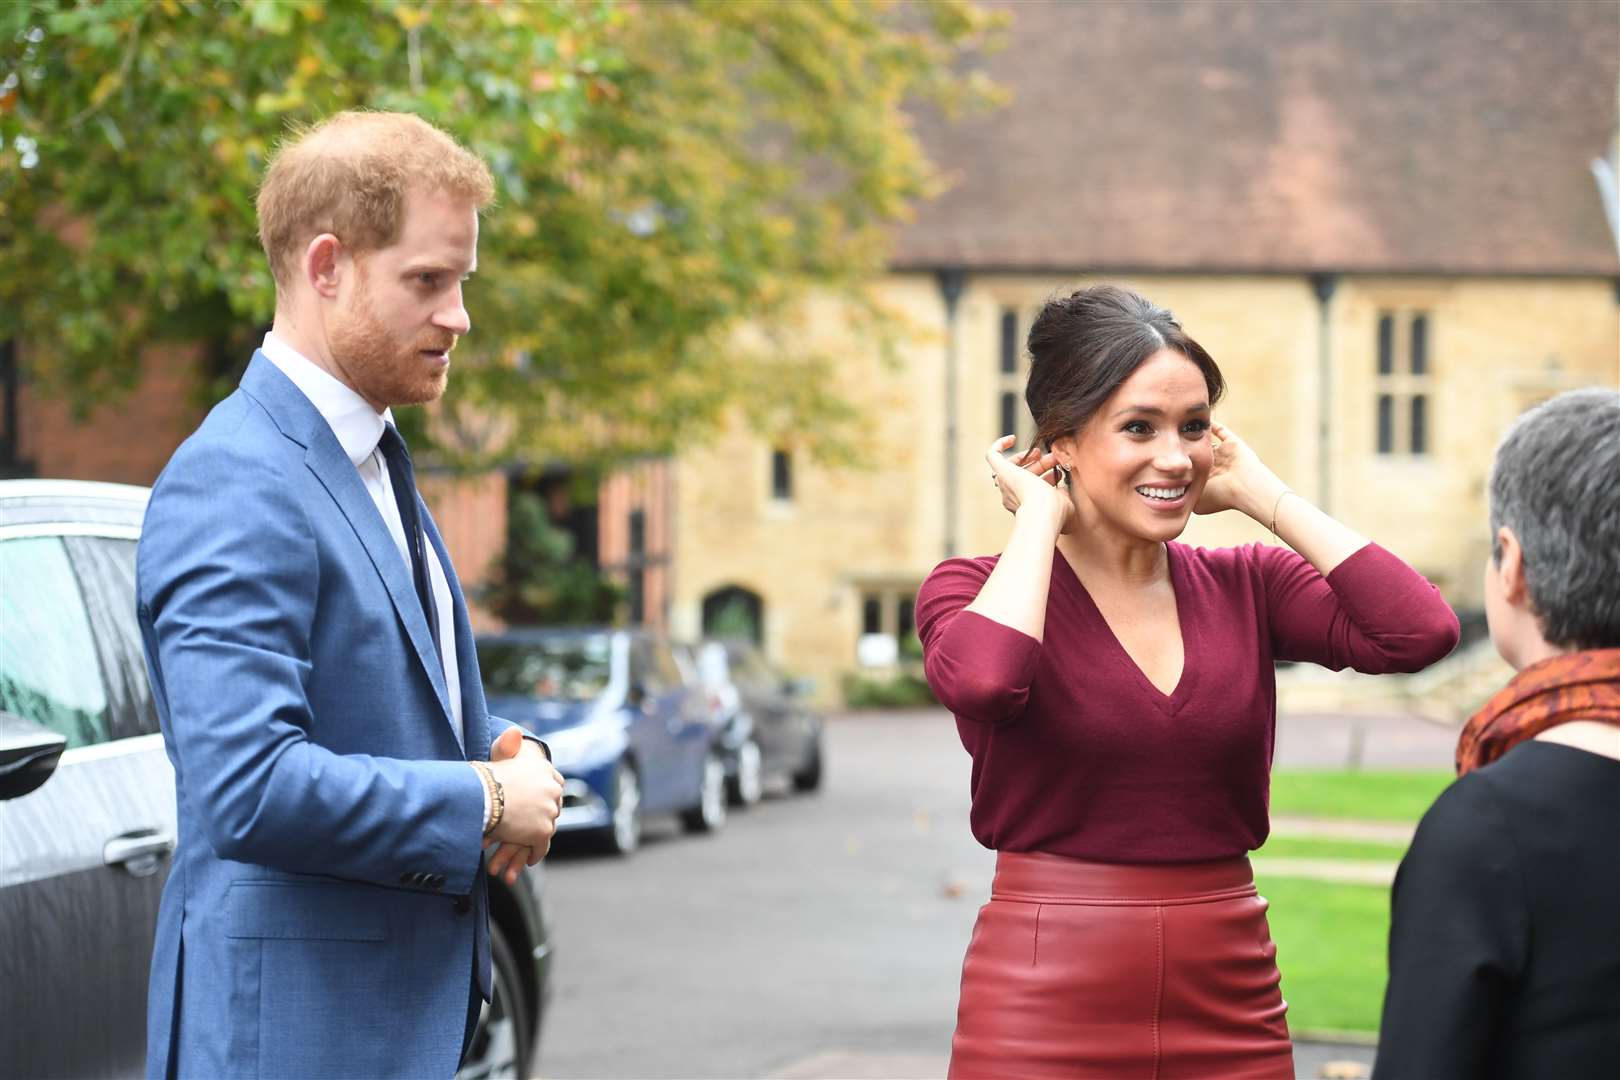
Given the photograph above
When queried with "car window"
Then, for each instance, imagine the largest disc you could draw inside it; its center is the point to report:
(49, 672)
(749, 667)
(686, 660)
(556, 669)
(106, 572)
(644, 668)
(669, 672)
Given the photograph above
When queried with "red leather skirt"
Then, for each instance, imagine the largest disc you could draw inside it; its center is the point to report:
(1102, 970)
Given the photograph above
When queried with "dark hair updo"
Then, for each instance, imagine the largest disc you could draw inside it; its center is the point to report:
(1084, 345)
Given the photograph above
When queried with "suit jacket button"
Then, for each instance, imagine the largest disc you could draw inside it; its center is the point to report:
(405, 878)
(462, 904)
(436, 881)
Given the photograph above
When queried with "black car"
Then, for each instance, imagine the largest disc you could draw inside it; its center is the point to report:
(87, 806)
(768, 729)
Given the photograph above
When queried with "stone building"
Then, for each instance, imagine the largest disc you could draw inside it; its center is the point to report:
(1392, 225)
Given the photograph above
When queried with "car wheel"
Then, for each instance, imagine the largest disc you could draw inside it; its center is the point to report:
(503, 1040)
(808, 778)
(624, 835)
(710, 812)
(748, 786)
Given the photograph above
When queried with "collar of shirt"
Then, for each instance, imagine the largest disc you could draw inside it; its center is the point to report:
(356, 424)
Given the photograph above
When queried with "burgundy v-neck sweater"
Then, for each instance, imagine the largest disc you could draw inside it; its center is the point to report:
(1076, 753)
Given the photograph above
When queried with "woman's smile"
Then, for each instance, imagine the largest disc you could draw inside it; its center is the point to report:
(1164, 499)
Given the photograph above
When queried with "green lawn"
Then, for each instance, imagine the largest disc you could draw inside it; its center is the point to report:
(1374, 796)
(1331, 938)
(1330, 946)
(1310, 847)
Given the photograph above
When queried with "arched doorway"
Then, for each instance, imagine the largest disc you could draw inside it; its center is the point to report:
(732, 611)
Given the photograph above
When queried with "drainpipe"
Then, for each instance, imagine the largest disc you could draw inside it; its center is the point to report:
(1324, 286)
(951, 281)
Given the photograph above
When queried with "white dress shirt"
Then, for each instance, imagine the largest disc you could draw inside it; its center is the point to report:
(359, 428)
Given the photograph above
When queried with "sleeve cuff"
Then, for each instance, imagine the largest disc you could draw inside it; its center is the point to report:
(484, 792)
(544, 749)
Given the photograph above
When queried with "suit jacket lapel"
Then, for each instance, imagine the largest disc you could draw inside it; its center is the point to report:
(325, 458)
(474, 710)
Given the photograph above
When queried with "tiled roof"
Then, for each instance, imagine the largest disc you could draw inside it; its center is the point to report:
(1252, 136)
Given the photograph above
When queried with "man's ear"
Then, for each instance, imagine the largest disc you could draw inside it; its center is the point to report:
(1510, 565)
(324, 265)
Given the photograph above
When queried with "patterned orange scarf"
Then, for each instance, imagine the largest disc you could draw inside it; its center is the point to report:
(1578, 686)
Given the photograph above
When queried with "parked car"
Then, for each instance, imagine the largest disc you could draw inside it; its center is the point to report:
(767, 729)
(628, 733)
(87, 806)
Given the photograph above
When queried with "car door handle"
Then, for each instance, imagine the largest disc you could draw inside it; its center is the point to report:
(138, 852)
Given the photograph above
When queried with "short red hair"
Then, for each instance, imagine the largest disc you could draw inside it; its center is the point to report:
(348, 176)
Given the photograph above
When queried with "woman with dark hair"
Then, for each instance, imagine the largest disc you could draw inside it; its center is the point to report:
(1504, 946)
(1115, 690)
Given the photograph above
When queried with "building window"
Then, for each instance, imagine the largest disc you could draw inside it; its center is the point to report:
(872, 615)
(889, 627)
(637, 563)
(11, 463)
(1009, 341)
(1011, 416)
(1420, 435)
(1386, 344)
(781, 474)
(1386, 424)
(906, 628)
(1404, 383)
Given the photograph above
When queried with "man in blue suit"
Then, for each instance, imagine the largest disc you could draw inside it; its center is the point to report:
(337, 773)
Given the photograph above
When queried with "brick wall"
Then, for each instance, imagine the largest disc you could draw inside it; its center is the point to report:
(127, 441)
(470, 512)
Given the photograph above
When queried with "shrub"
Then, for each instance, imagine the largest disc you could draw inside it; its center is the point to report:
(899, 691)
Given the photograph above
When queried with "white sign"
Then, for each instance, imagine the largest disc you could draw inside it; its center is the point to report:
(877, 650)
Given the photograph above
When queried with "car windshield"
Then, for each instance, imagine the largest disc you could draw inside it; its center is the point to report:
(573, 668)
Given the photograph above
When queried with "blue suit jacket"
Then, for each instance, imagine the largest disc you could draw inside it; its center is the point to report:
(326, 914)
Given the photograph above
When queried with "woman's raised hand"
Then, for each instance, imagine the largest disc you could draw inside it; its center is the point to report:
(1238, 479)
(1029, 480)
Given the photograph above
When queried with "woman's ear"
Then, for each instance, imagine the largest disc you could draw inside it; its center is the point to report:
(1510, 564)
(1064, 447)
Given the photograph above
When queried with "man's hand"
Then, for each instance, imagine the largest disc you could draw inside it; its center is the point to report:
(534, 794)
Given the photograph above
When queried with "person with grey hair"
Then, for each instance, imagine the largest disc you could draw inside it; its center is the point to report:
(1504, 949)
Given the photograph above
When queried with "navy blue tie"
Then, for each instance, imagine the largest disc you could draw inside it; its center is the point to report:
(403, 479)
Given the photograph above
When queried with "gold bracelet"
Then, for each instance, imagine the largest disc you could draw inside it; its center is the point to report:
(1277, 506)
(496, 793)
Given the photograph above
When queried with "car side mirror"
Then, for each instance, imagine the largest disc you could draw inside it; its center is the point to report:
(28, 755)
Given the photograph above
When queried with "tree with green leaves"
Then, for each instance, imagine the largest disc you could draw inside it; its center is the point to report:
(541, 579)
(666, 173)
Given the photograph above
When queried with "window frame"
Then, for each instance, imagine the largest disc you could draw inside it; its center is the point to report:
(60, 532)
(1404, 384)
(12, 463)
(1010, 379)
(891, 600)
(781, 474)
(134, 697)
